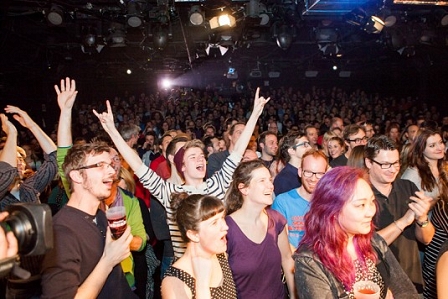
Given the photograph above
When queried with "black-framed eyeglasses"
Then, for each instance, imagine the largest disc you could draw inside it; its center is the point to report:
(358, 140)
(305, 144)
(309, 174)
(101, 164)
(387, 165)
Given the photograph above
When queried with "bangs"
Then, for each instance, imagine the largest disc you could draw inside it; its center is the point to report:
(210, 207)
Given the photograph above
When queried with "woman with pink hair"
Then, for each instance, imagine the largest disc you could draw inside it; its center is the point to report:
(340, 247)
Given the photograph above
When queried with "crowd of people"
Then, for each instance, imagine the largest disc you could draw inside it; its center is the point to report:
(268, 194)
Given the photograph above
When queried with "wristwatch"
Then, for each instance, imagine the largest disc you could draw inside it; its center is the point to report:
(423, 223)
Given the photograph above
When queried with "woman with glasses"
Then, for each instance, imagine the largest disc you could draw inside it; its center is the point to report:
(257, 241)
(427, 169)
(340, 246)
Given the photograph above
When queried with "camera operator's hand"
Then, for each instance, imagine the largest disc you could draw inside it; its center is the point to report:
(117, 250)
(66, 93)
(8, 242)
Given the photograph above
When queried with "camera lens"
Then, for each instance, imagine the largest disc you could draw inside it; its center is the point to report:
(23, 230)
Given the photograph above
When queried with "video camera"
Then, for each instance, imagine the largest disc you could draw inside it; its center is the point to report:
(32, 226)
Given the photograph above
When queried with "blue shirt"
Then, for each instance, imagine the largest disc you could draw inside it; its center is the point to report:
(293, 207)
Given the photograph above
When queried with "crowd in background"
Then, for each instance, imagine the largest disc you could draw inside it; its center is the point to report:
(318, 119)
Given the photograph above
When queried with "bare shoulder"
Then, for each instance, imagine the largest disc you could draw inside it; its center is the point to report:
(174, 288)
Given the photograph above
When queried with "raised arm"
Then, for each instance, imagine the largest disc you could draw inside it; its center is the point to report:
(107, 121)
(9, 152)
(66, 98)
(25, 120)
(244, 139)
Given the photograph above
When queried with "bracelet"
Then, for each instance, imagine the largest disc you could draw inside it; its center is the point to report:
(395, 222)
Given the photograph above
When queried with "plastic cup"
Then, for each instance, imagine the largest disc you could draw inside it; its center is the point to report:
(116, 216)
(366, 290)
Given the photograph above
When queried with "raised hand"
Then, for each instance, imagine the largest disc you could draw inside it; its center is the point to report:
(106, 118)
(7, 126)
(66, 93)
(259, 102)
(21, 116)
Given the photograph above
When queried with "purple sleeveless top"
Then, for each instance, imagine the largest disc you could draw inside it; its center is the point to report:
(256, 267)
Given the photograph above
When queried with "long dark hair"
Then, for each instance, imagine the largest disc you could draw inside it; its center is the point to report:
(417, 160)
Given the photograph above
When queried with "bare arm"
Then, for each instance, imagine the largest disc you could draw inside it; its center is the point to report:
(9, 152)
(287, 262)
(66, 98)
(244, 139)
(114, 252)
(393, 230)
(107, 121)
(25, 120)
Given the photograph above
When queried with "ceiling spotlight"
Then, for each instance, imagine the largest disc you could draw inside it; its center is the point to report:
(56, 15)
(374, 25)
(134, 16)
(90, 40)
(326, 35)
(329, 50)
(386, 15)
(160, 38)
(284, 35)
(222, 20)
(442, 16)
(196, 16)
(128, 71)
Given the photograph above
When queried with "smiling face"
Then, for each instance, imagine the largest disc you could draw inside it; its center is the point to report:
(435, 148)
(194, 164)
(312, 164)
(383, 176)
(212, 234)
(335, 149)
(356, 216)
(260, 188)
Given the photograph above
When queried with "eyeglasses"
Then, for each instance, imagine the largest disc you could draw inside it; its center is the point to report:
(101, 164)
(305, 144)
(309, 174)
(358, 140)
(387, 165)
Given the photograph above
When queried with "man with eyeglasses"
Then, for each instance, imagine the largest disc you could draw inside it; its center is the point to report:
(294, 204)
(292, 148)
(353, 135)
(402, 215)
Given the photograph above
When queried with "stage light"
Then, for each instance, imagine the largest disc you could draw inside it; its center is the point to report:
(197, 16)
(56, 15)
(374, 25)
(160, 39)
(222, 20)
(166, 83)
(134, 14)
(128, 71)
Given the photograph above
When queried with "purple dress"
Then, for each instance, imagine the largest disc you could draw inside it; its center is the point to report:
(257, 268)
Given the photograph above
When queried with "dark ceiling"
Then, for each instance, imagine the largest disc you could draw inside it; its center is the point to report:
(315, 35)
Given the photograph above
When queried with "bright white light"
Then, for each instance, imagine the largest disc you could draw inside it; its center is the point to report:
(335, 67)
(128, 71)
(166, 83)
